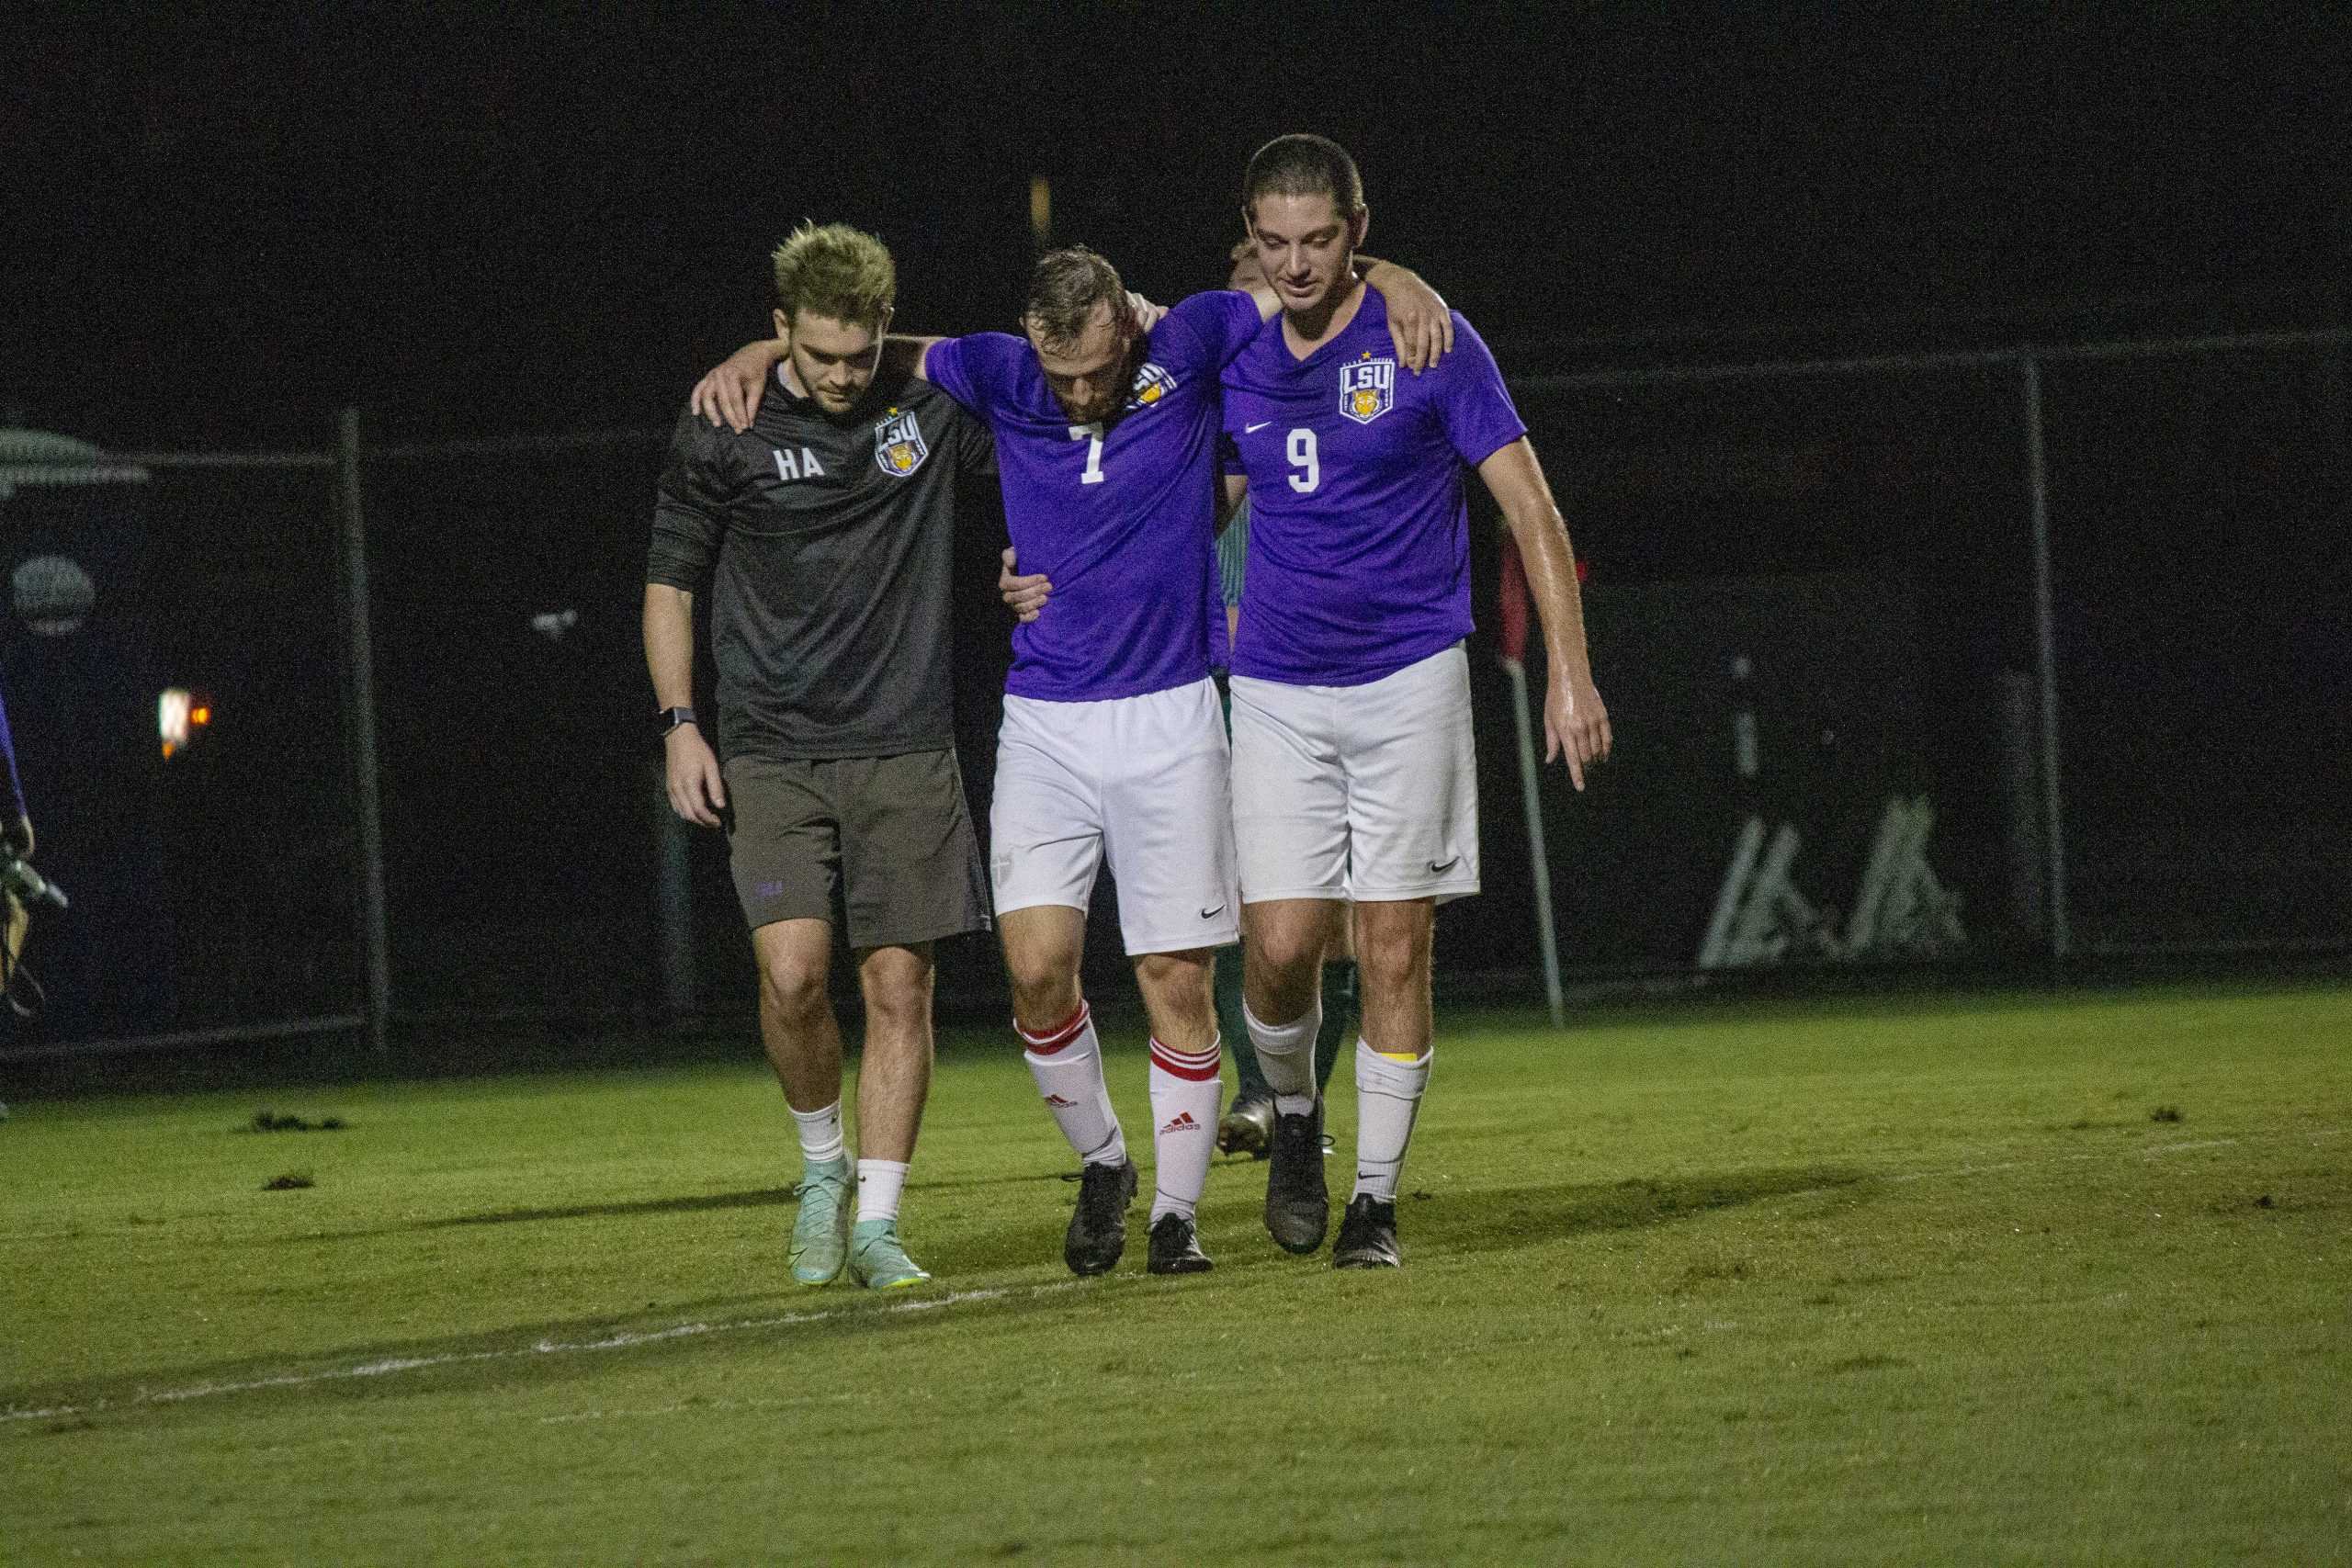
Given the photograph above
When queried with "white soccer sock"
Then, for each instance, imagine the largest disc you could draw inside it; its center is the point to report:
(1286, 1055)
(1067, 1062)
(1388, 1096)
(880, 1182)
(821, 1134)
(1184, 1089)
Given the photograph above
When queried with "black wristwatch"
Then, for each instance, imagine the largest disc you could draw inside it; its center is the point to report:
(673, 717)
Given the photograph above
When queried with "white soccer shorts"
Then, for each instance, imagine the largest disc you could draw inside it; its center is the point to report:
(1143, 783)
(1369, 792)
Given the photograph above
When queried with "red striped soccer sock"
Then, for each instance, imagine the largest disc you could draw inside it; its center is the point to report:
(1185, 1086)
(1067, 1063)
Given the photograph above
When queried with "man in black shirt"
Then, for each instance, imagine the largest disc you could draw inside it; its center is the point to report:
(826, 529)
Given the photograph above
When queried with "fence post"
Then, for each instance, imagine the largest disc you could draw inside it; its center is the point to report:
(359, 724)
(2046, 667)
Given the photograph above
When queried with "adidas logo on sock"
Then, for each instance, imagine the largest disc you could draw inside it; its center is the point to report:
(1058, 1103)
(1182, 1122)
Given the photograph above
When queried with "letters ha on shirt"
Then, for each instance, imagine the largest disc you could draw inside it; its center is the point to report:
(898, 450)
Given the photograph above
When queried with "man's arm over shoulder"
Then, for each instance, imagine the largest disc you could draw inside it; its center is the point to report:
(906, 354)
(1419, 323)
(731, 391)
(979, 369)
(1222, 320)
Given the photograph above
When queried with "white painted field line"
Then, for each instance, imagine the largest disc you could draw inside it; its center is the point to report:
(624, 1341)
(933, 1304)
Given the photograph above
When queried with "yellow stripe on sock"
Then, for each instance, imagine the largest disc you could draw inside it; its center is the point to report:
(1403, 1058)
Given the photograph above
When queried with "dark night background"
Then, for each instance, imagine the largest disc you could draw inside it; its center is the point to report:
(223, 224)
(227, 220)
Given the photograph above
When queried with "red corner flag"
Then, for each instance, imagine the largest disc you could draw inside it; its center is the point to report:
(1513, 601)
(1512, 622)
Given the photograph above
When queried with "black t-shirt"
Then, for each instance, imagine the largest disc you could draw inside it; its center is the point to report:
(830, 541)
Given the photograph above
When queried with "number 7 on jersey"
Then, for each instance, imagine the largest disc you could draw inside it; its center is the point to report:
(1093, 435)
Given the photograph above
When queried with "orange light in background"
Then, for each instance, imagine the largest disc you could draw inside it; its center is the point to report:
(180, 716)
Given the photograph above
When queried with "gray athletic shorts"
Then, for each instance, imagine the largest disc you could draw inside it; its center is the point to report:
(881, 846)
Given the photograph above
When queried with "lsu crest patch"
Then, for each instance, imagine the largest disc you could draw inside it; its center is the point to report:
(1367, 389)
(1153, 384)
(898, 445)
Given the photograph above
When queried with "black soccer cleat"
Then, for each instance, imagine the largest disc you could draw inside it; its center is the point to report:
(1368, 1235)
(1098, 1230)
(1248, 1127)
(1176, 1247)
(1298, 1206)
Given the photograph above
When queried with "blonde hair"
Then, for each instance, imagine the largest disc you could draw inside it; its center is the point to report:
(834, 270)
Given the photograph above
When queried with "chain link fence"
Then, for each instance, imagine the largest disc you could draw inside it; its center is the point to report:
(1846, 616)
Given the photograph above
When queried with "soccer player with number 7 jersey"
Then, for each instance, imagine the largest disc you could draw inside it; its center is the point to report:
(1353, 773)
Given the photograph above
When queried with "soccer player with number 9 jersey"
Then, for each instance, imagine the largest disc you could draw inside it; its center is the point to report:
(1353, 773)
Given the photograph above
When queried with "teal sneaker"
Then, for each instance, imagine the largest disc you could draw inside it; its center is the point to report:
(821, 1233)
(877, 1260)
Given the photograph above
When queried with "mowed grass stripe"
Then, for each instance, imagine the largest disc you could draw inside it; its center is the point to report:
(1914, 1282)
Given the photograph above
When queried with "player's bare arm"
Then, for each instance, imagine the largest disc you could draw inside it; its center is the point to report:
(730, 393)
(1575, 721)
(690, 769)
(1420, 323)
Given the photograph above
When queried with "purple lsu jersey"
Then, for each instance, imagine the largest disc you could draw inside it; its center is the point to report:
(1358, 559)
(1120, 515)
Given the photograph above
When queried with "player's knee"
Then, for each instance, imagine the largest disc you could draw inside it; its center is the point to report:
(1391, 951)
(1042, 986)
(1175, 979)
(796, 987)
(894, 976)
(899, 1005)
(1284, 956)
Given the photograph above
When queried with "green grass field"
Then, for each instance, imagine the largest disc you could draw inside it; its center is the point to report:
(1997, 1280)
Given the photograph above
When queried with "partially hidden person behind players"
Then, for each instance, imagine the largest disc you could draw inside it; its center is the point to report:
(824, 531)
(1111, 748)
(1354, 780)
